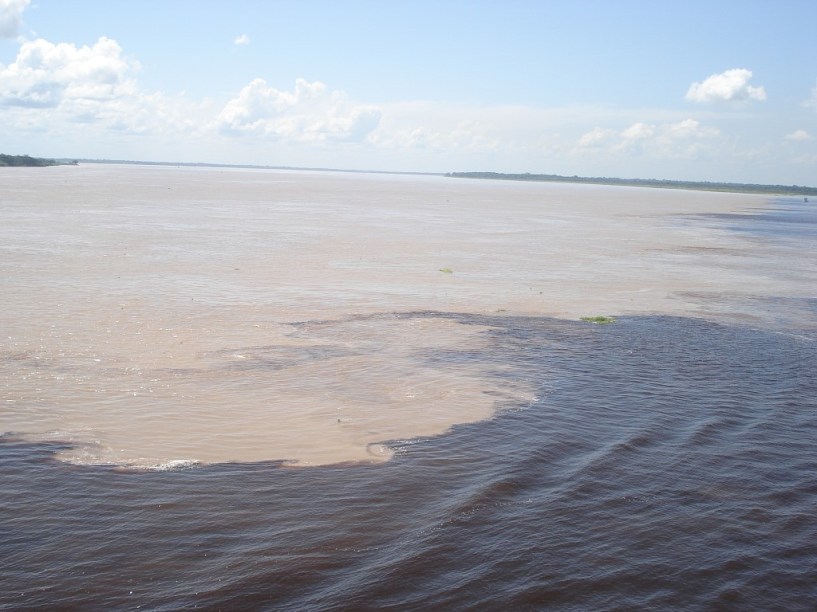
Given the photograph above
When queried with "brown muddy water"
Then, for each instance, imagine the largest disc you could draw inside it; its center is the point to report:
(174, 341)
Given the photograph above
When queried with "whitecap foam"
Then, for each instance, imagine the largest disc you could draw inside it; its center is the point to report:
(175, 465)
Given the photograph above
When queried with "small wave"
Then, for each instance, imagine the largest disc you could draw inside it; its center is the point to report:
(174, 465)
(381, 451)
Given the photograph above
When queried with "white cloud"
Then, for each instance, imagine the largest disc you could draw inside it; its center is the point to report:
(726, 86)
(75, 91)
(596, 137)
(49, 75)
(11, 17)
(799, 135)
(638, 131)
(310, 113)
(242, 40)
(688, 129)
(665, 140)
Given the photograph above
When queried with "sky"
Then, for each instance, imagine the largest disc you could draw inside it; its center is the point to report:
(712, 90)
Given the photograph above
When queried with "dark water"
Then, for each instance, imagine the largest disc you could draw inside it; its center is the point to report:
(787, 218)
(667, 463)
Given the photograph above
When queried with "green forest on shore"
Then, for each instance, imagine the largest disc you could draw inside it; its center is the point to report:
(28, 161)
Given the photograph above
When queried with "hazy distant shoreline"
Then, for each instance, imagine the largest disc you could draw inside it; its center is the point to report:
(25, 160)
(660, 183)
(553, 178)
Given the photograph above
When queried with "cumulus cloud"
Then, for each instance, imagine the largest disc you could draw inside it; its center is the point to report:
(309, 113)
(726, 86)
(93, 87)
(688, 129)
(675, 139)
(62, 88)
(49, 75)
(638, 131)
(799, 135)
(242, 40)
(596, 137)
(11, 17)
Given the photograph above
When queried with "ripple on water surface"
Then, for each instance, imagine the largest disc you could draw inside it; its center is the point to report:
(666, 462)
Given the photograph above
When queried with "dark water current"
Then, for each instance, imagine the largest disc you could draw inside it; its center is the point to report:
(668, 462)
(788, 218)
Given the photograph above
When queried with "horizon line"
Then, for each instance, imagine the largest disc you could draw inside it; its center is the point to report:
(522, 176)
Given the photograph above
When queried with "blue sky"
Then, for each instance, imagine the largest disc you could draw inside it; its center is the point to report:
(710, 90)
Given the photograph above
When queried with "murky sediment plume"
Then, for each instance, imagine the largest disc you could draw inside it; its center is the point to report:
(159, 316)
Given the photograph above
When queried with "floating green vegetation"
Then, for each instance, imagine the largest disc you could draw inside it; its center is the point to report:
(446, 270)
(598, 320)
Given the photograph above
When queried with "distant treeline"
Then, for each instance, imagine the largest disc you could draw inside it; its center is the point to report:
(666, 184)
(27, 160)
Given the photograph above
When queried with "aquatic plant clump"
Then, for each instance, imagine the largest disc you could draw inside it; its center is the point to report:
(598, 320)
